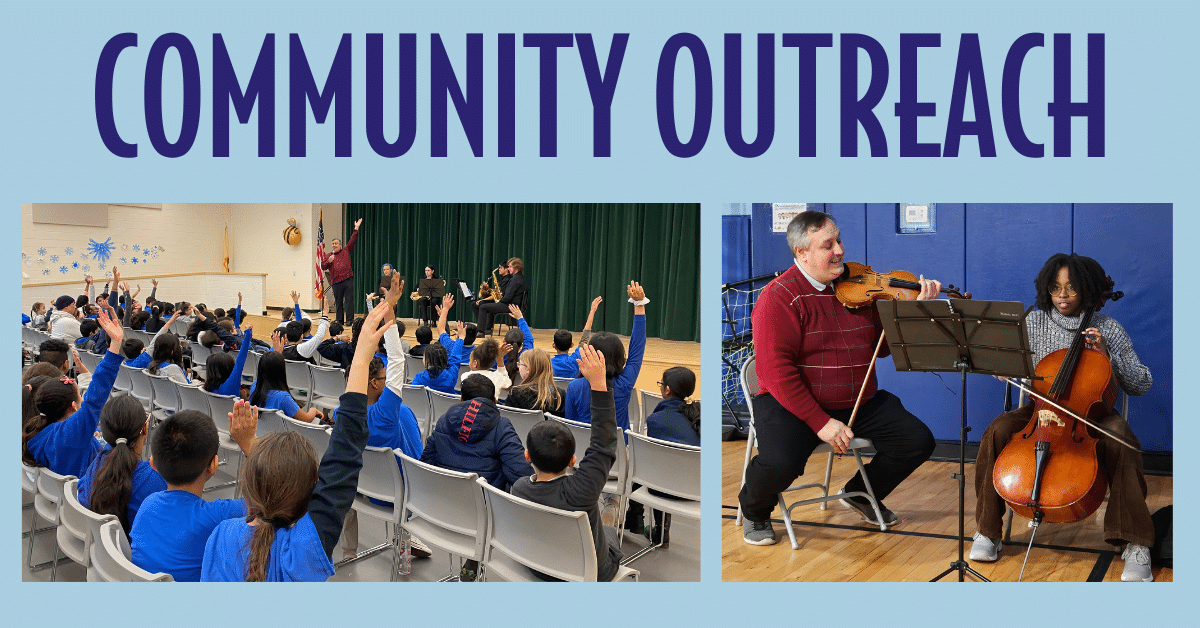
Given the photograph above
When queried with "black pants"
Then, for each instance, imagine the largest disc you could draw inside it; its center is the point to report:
(902, 443)
(485, 312)
(425, 310)
(343, 299)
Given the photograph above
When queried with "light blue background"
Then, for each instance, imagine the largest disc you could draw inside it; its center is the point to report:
(53, 154)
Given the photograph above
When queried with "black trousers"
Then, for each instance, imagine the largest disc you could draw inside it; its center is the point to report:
(486, 312)
(902, 443)
(343, 299)
(425, 310)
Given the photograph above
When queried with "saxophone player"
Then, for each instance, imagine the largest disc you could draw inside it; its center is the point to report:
(512, 289)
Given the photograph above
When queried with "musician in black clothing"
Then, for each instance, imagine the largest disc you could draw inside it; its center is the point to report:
(513, 289)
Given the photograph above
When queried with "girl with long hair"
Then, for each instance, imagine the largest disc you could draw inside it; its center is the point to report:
(118, 480)
(482, 360)
(222, 372)
(622, 371)
(271, 390)
(296, 506)
(536, 390)
(675, 418)
(438, 374)
(167, 358)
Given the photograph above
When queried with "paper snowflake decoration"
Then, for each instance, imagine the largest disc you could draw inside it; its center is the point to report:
(54, 259)
(45, 271)
(124, 247)
(42, 251)
(69, 251)
(124, 260)
(108, 274)
(137, 247)
(75, 265)
(101, 251)
(133, 260)
(154, 252)
(86, 268)
(62, 269)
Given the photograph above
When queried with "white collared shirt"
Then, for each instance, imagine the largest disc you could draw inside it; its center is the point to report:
(816, 284)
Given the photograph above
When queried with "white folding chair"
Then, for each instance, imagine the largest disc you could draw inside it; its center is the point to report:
(616, 485)
(179, 328)
(110, 558)
(200, 355)
(271, 421)
(193, 398)
(380, 480)
(439, 404)
(141, 390)
(522, 420)
(316, 433)
(90, 360)
(219, 407)
(79, 527)
(413, 364)
(328, 384)
(166, 396)
(649, 400)
(749, 382)
(417, 400)
(123, 385)
(666, 467)
(250, 368)
(635, 413)
(523, 537)
(561, 384)
(444, 509)
(299, 379)
(47, 505)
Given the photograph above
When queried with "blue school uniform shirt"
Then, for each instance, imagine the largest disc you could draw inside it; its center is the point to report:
(172, 529)
(67, 447)
(393, 425)
(296, 555)
(278, 400)
(579, 392)
(444, 382)
(233, 385)
(454, 348)
(146, 481)
(564, 364)
(142, 361)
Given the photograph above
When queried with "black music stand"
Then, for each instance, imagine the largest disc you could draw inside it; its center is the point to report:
(986, 337)
(464, 291)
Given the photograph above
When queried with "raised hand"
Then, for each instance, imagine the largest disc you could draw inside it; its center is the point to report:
(635, 291)
(247, 327)
(87, 280)
(239, 298)
(394, 292)
(78, 363)
(116, 276)
(154, 282)
(504, 350)
(295, 297)
(277, 341)
(116, 333)
(591, 366)
(243, 425)
(357, 224)
(596, 303)
(514, 310)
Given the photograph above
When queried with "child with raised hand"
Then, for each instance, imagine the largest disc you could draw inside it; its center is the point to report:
(622, 371)
(223, 372)
(173, 526)
(60, 436)
(550, 448)
(297, 508)
(483, 358)
(118, 480)
(564, 361)
(518, 340)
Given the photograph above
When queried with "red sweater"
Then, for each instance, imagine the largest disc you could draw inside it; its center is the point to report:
(339, 269)
(812, 353)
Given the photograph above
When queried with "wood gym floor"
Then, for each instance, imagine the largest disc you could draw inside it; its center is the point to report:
(836, 545)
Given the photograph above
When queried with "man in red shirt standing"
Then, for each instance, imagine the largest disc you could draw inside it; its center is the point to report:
(342, 275)
(812, 356)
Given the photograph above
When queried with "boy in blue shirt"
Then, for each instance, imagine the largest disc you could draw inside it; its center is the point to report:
(563, 363)
(173, 526)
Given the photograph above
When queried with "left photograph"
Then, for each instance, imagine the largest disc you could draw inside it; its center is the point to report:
(360, 392)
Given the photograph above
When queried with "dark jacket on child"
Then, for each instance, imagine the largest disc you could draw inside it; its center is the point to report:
(472, 437)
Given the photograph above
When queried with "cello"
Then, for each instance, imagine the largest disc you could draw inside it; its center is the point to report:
(1050, 469)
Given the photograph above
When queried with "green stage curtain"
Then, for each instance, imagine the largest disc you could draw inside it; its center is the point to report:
(573, 252)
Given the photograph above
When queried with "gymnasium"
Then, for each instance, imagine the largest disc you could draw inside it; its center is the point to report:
(993, 251)
(467, 308)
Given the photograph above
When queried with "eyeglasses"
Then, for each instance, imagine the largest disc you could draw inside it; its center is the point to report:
(1068, 289)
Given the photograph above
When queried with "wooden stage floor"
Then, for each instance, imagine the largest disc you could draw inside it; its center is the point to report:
(660, 354)
(836, 545)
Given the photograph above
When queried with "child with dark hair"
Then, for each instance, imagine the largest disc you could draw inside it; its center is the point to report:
(438, 374)
(135, 354)
(168, 359)
(271, 390)
(223, 373)
(551, 450)
(424, 336)
(677, 420)
(173, 525)
(56, 353)
(518, 340)
(89, 330)
(622, 371)
(564, 361)
(472, 437)
(297, 507)
(483, 359)
(59, 437)
(118, 480)
(455, 349)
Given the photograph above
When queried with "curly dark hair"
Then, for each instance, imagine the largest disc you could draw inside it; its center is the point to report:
(1086, 275)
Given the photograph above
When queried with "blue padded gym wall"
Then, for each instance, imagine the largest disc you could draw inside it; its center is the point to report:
(994, 251)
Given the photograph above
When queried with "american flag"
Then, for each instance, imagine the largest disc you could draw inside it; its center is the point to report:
(319, 284)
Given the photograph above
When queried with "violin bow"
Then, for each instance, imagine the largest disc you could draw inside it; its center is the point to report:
(870, 369)
(1034, 393)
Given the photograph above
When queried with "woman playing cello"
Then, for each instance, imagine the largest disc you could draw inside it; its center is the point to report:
(1066, 285)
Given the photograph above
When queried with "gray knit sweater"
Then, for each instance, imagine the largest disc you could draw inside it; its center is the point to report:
(1051, 331)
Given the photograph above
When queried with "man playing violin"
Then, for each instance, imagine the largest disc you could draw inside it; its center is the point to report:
(812, 357)
(1066, 285)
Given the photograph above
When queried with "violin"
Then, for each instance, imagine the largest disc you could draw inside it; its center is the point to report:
(858, 285)
(1050, 469)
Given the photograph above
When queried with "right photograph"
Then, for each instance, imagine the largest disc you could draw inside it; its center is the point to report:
(946, 392)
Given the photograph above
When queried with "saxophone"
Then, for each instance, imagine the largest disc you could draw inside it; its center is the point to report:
(493, 293)
(414, 296)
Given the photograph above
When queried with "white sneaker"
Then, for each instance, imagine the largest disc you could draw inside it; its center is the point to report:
(985, 550)
(1137, 564)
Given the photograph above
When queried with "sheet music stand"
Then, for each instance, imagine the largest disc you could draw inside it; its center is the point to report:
(465, 291)
(985, 337)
